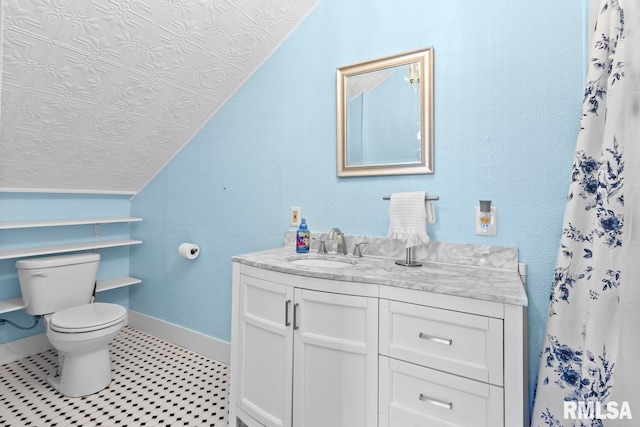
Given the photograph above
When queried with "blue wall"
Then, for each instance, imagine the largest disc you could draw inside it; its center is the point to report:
(33, 206)
(508, 88)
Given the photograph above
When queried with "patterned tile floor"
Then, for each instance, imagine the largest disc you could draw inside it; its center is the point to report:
(154, 383)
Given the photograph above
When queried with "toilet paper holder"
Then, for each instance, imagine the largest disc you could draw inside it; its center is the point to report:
(189, 250)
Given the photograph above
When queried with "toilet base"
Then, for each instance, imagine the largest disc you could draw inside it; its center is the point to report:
(81, 374)
(84, 364)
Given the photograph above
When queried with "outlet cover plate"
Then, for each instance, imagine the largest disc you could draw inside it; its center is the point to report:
(295, 216)
(492, 230)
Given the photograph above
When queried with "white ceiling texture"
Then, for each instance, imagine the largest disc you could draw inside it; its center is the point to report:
(98, 95)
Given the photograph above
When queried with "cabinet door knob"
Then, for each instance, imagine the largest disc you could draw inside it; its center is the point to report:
(444, 341)
(286, 313)
(440, 403)
(295, 312)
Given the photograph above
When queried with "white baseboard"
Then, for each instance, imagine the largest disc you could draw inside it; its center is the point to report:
(187, 338)
(184, 337)
(24, 347)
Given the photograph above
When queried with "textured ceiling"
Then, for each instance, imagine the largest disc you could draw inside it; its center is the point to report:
(98, 95)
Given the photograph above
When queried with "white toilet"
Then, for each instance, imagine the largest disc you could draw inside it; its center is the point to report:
(61, 289)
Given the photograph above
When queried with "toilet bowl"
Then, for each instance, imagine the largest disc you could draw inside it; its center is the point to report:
(81, 336)
(61, 289)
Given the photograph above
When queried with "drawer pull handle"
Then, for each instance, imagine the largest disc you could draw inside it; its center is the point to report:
(440, 403)
(436, 339)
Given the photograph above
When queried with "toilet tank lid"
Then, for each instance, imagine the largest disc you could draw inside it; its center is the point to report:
(57, 261)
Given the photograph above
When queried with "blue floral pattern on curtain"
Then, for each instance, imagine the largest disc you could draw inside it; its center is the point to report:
(580, 349)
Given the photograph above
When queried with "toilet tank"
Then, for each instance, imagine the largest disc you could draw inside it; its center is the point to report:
(51, 284)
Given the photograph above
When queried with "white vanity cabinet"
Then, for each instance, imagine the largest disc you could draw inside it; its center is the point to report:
(302, 357)
(376, 345)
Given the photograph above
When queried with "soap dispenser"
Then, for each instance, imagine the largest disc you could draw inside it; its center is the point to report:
(302, 238)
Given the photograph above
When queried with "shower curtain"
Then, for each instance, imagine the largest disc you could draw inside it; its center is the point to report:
(589, 372)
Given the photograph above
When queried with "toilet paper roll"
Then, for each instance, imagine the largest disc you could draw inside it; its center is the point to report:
(189, 250)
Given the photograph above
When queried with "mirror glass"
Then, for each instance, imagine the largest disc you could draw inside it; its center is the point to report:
(384, 116)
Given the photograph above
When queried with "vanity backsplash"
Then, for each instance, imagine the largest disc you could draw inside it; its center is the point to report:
(487, 256)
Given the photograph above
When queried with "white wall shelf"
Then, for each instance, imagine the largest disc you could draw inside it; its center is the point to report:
(64, 222)
(118, 282)
(70, 247)
(103, 285)
(11, 305)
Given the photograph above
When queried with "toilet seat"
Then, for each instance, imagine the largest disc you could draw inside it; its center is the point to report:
(87, 318)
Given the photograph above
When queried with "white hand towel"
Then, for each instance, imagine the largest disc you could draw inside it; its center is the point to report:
(409, 214)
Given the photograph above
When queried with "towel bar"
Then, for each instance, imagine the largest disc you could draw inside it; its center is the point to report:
(426, 198)
(409, 261)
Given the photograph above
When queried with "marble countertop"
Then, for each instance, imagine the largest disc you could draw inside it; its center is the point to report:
(491, 284)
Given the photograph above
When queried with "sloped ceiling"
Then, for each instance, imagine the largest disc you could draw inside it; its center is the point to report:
(98, 95)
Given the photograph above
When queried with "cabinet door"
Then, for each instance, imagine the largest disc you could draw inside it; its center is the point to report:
(264, 351)
(335, 360)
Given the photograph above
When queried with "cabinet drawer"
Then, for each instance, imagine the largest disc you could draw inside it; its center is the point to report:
(411, 395)
(463, 344)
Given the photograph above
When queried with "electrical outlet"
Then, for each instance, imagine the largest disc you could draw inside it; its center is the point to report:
(295, 216)
(490, 228)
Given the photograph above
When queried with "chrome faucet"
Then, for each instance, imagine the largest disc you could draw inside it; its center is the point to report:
(336, 233)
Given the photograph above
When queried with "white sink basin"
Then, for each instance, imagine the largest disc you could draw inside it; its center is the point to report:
(322, 263)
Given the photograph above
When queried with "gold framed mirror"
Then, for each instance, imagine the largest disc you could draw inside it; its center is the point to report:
(384, 115)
